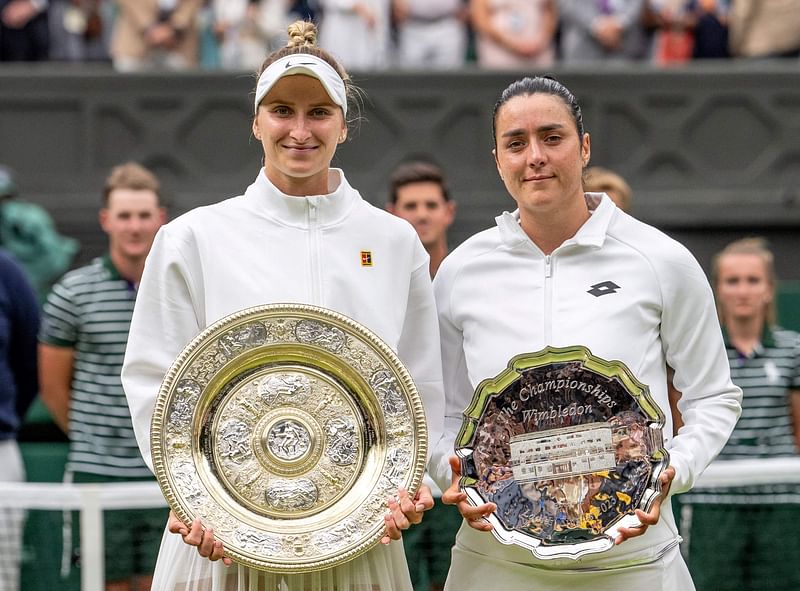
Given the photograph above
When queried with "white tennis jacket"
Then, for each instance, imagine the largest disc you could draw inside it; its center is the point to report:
(621, 288)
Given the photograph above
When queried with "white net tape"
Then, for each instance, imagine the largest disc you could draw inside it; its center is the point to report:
(739, 472)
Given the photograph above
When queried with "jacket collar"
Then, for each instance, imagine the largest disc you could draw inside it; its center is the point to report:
(591, 234)
(297, 211)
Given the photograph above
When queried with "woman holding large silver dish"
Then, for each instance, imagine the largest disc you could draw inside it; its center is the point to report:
(299, 234)
(568, 269)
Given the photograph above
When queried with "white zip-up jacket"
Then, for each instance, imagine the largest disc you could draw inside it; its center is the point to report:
(267, 247)
(619, 287)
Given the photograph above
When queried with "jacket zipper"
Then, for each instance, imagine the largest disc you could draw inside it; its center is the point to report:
(548, 300)
(314, 252)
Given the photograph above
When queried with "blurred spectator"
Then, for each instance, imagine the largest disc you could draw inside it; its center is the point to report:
(687, 29)
(357, 32)
(737, 536)
(80, 30)
(597, 179)
(83, 336)
(247, 30)
(19, 322)
(418, 193)
(512, 34)
(28, 232)
(710, 28)
(155, 34)
(765, 28)
(602, 30)
(672, 26)
(23, 30)
(431, 35)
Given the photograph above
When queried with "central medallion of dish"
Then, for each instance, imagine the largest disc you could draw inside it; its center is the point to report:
(286, 441)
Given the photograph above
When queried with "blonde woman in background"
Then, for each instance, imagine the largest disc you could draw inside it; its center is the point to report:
(737, 535)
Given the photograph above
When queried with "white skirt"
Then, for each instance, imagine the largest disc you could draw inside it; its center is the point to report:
(181, 568)
(470, 569)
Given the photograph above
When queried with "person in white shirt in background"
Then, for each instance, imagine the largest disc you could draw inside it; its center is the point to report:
(357, 32)
(431, 35)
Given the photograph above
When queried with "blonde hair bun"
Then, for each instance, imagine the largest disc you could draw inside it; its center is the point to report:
(302, 34)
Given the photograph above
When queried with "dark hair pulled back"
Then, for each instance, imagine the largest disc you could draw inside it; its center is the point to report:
(539, 85)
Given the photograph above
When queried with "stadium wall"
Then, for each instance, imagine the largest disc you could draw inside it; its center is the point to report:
(711, 151)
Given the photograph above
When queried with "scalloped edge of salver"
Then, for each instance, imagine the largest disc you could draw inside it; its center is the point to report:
(496, 384)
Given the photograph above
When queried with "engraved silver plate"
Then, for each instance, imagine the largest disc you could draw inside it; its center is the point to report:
(286, 428)
(567, 445)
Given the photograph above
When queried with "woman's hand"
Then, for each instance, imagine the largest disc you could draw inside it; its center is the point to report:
(405, 511)
(204, 540)
(475, 516)
(651, 517)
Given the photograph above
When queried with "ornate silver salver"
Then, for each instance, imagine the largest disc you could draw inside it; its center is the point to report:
(567, 445)
(286, 428)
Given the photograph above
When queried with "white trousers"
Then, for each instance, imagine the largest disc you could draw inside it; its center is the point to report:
(436, 45)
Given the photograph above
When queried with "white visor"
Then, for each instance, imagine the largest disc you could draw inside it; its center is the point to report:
(303, 63)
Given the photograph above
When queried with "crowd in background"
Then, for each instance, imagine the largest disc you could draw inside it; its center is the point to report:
(137, 35)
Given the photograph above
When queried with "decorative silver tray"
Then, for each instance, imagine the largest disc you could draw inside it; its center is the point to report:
(567, 445)
(286, 428)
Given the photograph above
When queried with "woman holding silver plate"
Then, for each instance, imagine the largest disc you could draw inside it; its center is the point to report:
(571, 271)
(299, 234)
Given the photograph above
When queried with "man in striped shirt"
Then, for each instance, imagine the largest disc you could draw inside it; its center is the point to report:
(742, 538)
(82, 342)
